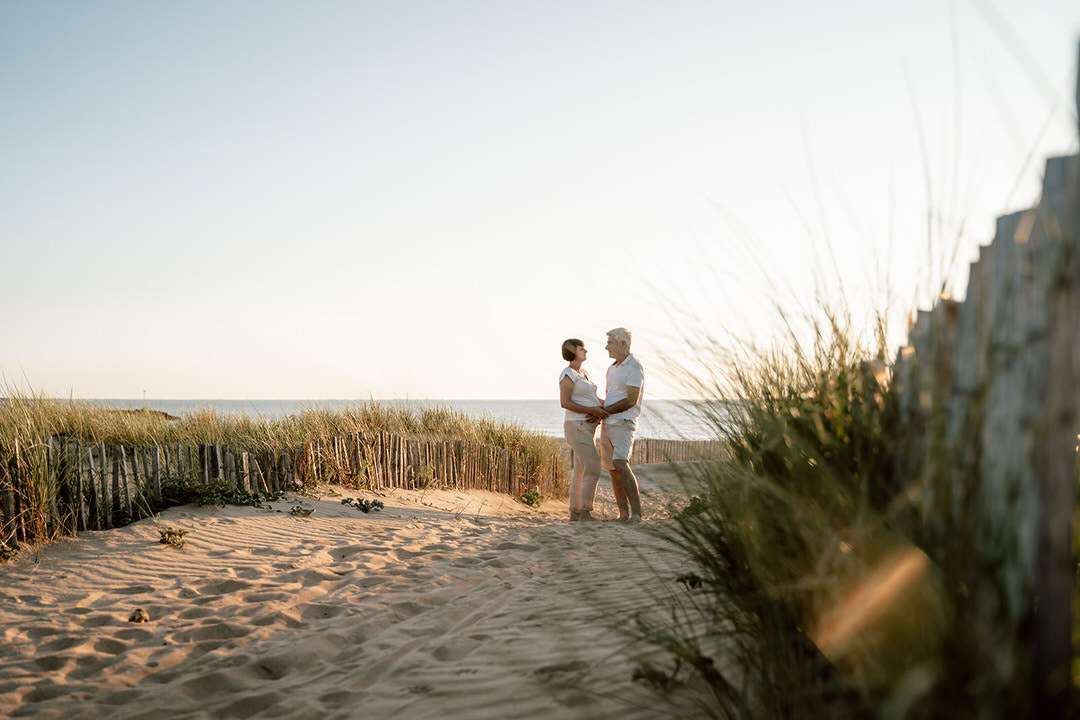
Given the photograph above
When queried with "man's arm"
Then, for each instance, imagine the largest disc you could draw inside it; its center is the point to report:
(566, 390)
(632, 395)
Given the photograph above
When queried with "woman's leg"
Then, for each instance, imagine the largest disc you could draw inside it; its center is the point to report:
(571, 433)
(591, 478)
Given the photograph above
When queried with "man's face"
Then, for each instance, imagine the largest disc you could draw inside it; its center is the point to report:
(613, 347)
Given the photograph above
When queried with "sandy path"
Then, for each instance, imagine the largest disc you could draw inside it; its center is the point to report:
(443, 605)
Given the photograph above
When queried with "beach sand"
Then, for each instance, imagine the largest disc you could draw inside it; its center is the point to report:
(443, 605)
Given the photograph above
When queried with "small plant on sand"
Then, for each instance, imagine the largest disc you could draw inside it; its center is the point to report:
(364, 506)
(532, 497)
(425, 478)
(172, 536)
(300, 511)
(7, 551)
(214, 493)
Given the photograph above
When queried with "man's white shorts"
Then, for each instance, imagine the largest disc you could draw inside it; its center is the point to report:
(616, 442)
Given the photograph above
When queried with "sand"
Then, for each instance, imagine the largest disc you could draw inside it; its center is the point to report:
(443, 605)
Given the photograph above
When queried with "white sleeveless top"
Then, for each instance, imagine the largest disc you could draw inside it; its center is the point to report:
(584, 392)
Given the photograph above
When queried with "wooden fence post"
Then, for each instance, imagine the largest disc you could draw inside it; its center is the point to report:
(80, 500)
(115, 486)
(155, 468)
(94, 509)
(1055, 457)
(7, 504)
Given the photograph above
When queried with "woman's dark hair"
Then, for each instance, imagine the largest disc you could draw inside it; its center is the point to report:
(569, 348)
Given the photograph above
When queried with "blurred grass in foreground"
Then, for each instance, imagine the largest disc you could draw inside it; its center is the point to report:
(808, 597)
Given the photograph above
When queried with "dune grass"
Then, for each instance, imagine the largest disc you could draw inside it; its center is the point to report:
(28, 421)
(807, 597)
(36, 416)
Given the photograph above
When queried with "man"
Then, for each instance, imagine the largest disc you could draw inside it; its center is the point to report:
(622, 399)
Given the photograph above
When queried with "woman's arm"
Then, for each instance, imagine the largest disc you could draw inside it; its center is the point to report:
(566, 390)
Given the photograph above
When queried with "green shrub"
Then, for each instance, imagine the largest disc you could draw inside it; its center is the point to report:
(172, 536)
(532, 497)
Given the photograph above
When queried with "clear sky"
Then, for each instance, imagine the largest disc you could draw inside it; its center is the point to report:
(350, 199)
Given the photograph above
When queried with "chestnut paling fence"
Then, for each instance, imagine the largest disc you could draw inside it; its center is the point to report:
(69, 485)
(656, 450)
(61, 485)
(989, 398)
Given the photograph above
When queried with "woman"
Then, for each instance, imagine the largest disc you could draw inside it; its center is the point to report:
(583, 412)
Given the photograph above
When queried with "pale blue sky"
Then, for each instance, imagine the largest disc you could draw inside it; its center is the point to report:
(331, 200)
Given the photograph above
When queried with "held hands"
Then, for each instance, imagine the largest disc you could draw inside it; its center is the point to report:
(597, 413)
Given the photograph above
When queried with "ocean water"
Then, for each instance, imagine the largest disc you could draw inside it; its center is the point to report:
(669, 419)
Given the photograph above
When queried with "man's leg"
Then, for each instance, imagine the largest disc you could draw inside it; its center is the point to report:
(618, 486)
(607, 452)
(630, 487)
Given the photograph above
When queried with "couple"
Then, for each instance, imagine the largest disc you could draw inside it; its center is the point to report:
(584, 410)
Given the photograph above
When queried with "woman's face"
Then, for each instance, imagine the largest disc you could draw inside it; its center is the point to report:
(580, 353)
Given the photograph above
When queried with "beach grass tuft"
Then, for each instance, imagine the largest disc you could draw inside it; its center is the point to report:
(805, 597)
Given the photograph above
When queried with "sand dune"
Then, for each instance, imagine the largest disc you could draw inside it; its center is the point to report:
(443, 605)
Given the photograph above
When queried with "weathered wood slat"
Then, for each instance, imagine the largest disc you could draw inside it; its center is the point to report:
(7, 506)
(155, 469)
(991, 415)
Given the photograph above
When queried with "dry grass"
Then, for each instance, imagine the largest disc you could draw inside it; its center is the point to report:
(27, 423)
(807, 598)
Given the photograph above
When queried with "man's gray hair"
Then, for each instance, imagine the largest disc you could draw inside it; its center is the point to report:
(621, 334)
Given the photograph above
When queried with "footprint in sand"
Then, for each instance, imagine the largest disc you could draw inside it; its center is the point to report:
(371, 581)
(52, 663)
(574, 666)
(110, 646)
(348, 551)
(517, 546)
(118, 697)
(273, 667)
(212, 631)
(37, 633)
(197, 613)
(320, 611)
(253, 705)
(45, 691)
(133, 634)
(406, 610)
(89, 666)
(451, 652)
(223, 587)
(437, 546)
(276, 617)
(262, 597)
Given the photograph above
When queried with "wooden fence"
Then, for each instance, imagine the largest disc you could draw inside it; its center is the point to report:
(653, 450)
(62, 485)
(989, 393)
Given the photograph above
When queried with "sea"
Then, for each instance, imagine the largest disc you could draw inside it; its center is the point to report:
(667, 419)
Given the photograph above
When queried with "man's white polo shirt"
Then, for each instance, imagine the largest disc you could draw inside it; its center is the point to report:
(620, 376)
